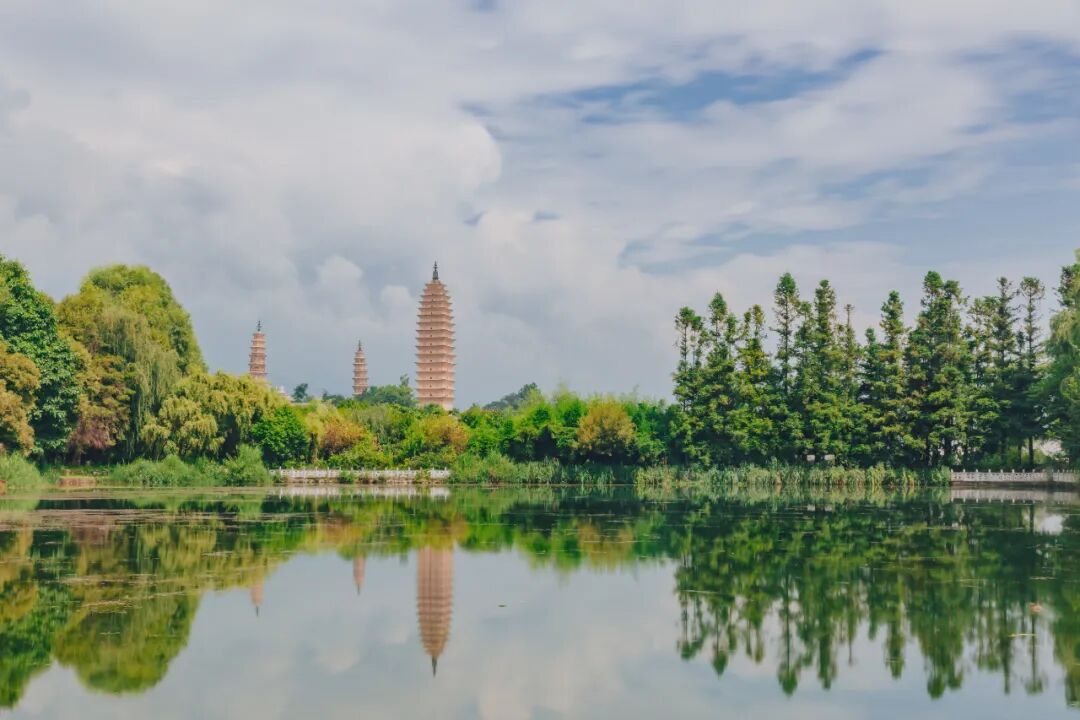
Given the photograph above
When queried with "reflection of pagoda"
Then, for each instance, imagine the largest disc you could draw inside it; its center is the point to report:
(257, 595)
(434, 599)
(257, 362)
(435, 346)
(358, 572)
(359, 374)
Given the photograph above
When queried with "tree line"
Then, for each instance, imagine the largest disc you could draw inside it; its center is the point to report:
(114, 373)
(973, 382)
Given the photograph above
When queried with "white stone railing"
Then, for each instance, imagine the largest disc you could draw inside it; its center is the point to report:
(388, 476)
(1017, 477)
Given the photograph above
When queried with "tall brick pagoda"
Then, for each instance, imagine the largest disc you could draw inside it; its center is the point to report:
(435, 346)
(257, 362)
(359, 372)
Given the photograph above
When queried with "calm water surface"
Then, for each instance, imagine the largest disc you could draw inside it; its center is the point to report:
(538, 604)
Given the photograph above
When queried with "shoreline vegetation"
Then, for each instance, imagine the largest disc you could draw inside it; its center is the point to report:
(110, 382)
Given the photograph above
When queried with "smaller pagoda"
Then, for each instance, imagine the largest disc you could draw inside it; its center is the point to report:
(359, 372)
(257, 360)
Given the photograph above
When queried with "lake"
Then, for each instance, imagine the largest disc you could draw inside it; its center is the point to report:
(538, 603)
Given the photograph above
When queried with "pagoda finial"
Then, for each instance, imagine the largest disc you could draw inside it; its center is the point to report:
(359, 345)
(435, 272)
(258, 326)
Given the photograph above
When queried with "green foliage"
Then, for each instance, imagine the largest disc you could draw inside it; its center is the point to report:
(515, 400)
(29, 327)
(19, 474)
(246, 469)
(144, 292)
(19, 383)
(400, 394)
(283, 437)
(1061, 387)
(170, 472)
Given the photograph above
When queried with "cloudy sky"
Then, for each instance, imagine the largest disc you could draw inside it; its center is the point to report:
(580, 170)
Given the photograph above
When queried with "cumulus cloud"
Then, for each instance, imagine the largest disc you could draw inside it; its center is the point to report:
(579, 170)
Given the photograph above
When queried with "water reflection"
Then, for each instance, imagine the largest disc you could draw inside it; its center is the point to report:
(809, 588)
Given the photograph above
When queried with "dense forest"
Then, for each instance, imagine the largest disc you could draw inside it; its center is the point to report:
(114, 374)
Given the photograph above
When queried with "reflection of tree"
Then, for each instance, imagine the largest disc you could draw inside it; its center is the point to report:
(128, 648)
(787, 581)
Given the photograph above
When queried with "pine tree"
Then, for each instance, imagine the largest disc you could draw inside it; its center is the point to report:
(819, 379)
(686, 426)
(751, 426)
(884, 390)
(1027, 407)
(789, 312)
(717, 389)
(938, 361)
(984, 411)
(1004, 347)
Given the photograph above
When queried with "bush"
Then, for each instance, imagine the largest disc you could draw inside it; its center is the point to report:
(170, 472)
(246, 469)
(19, 474)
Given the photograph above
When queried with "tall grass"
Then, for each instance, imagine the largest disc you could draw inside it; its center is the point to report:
(19, 474)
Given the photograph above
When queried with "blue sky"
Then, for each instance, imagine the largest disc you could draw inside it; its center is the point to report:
(580, 170)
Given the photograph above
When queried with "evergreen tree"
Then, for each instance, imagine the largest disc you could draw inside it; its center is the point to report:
(1027, 408)
(751, 425)
(819, 381)
(887, 410)
(1004, 347)
(938, 360)
(686, 426)
(717, 389)
(984, 413)
(788, 310)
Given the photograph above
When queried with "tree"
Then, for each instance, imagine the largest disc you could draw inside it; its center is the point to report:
(514, 400)
(1027, 407)
(282, 436)
(28, 325)
(789, 311)
(751, 425)
(19, 382)
(104, 408)
(690, 331)
(144, 292)
(400, 394)
(1061, 386)
(108, 320)
(300, 393)
(716, 391)
(937, 359)
(209, 415)
(819, 387)
(606, 433)
(887, 409)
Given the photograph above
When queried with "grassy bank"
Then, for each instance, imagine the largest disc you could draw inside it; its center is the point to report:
(248, 470)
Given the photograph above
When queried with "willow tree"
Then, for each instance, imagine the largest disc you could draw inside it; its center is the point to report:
(127, 317)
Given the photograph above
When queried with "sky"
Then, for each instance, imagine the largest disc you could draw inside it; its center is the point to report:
(580, 170)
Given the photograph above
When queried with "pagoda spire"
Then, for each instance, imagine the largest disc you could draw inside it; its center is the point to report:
(359, 375)
(257, 358)
(435, 346)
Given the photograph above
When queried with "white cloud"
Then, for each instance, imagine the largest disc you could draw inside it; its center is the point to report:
(306, 166)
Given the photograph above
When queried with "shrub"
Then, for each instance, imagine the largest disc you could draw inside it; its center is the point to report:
(170, 472)
(246, 469)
